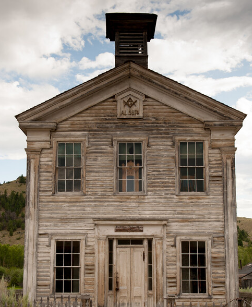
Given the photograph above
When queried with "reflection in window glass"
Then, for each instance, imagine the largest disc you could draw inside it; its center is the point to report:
(67, 267)
(130, 167)
(69, 167)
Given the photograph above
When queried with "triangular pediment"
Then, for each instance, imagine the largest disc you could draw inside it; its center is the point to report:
(132, 82)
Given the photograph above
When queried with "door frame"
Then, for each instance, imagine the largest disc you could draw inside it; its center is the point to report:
(130, 229)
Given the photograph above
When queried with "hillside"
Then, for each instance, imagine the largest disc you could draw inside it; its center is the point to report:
(246, 224)
(18, 234)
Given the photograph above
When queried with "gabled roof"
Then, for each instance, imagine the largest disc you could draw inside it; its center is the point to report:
(131, 75)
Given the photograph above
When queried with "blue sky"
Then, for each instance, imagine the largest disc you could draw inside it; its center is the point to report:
(51, 46)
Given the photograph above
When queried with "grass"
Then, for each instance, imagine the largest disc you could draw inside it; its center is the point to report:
(247, 290)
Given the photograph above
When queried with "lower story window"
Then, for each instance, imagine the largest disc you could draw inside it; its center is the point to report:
(193, 266)
(67, 267)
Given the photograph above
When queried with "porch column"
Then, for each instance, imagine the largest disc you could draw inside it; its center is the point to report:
(31, 224)
(231, 246)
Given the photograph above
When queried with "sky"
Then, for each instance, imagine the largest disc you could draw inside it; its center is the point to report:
(48, 47)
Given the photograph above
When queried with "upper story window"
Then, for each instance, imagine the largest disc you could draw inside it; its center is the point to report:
(69, 167)
(191, 167)
(130, 166)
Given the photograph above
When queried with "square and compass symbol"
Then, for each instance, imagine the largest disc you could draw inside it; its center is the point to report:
(130, 104)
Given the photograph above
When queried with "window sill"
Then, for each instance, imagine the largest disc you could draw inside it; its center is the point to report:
(192, 194)
(130, 193)
(65, 194)
(194, 295)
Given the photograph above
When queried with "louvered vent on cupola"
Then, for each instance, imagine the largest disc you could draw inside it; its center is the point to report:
(131, 32)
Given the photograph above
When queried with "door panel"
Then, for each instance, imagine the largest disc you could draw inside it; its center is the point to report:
(130, 276)
(137, 277)
(123, 277)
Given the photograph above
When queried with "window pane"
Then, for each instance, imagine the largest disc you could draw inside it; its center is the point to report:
(199, 148)
(185, 260)
(77, 185)
(77, 148)
(192, 186)
(69, 185)
(61, 160)
(59, 286)
(202, 286)
(61, 148)
(191, 148)
(191, 173)
(69, 160)
(185, 274)
(76, 246)
(185, 287)
(69, 173)
(61, 173)
(183, 160)
(185, 246)
(67, 247)
(201, 246)
(69, 148)
(77, 161)
(138, 160)
(193, 247)
(75, 273)
(200, 185)
(138, 148)
(59, 260)
(59, 247)
(202, 260)
(150, 284)
(120, 186)
(199, 173)
(67, 273)
(150, 270)
(77, 173)
(130, 185)
(194, 286)
(122, 148)
(183, 173)
(75, 258)
(199, 161)
(202, 273)
(67, 259)
(140, 185)
(183, 148)
(130, 149)
(191, 160)
(122, 160)
(193, 274)
(75, 286)
(67, 286)
(61, 185)
(130, 159)
(193, 260)
(184, 185)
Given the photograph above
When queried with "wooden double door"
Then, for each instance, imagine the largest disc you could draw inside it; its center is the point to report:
(130, 276)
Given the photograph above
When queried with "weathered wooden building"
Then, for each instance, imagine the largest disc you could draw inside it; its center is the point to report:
(131, 186)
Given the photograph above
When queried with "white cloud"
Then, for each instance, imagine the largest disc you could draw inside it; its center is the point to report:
(106, 59)
(83, 78)
(14, 100)
(212, 87)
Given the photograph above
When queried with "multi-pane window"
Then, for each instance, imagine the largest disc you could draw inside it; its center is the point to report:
(191, 167)
(69, 167)
(67, 267)
(193, 266)
(130, 167)
(150, 264)
(110, 279)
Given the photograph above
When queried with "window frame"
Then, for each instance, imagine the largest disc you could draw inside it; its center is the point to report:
(66, 139)
(205, 141)
(208, 243)
(116, 141)
(52, 242)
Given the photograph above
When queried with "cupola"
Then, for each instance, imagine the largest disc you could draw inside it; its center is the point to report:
(131, 32)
